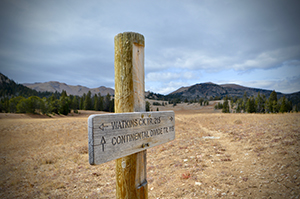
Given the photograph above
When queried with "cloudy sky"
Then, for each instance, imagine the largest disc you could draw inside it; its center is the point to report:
(253, 43)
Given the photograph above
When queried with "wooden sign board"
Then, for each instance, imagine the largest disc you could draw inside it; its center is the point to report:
(112, 136)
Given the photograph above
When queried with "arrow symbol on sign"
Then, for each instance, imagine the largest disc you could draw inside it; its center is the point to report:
(102, 126)
(103, 142)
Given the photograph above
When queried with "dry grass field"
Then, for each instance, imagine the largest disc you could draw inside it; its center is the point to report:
(214, 155)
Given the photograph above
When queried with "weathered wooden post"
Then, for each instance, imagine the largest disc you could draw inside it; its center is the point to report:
(130, 97)
(127, 134)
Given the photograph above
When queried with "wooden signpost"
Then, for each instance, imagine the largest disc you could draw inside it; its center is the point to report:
(127, 134)
(112, 136)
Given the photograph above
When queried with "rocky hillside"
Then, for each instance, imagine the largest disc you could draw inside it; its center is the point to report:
(54, 86)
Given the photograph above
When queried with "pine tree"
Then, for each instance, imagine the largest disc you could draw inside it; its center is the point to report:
(88, 101)
(283, 106)
(273, 96)
(75, 103)
(259, 103)
(112, 106)
(82, 98)
(225, 105)
(147, 106)
(106, 103)
(100, 102)
(250, 105)
(5, 105)
(275, 107)
(96, 104)
(54, 106)
(64, 107)
(64, 104)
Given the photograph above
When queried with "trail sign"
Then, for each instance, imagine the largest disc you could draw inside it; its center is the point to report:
(113, 136)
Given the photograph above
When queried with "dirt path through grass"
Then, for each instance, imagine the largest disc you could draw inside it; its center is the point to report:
(213, 155)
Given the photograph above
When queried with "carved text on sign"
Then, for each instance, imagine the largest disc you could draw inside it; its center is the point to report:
(113, 136)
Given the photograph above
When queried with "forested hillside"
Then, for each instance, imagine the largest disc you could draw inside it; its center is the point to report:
(16, 98)
(10, 88)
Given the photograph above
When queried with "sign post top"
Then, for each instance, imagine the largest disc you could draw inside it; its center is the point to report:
(131, 37)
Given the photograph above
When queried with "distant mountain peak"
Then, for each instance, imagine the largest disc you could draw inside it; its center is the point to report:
(209, 83)
(236, 86)
(55, 86)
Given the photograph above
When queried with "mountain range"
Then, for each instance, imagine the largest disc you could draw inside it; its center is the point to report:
(201, 90)
(54, 86)
(209, 89)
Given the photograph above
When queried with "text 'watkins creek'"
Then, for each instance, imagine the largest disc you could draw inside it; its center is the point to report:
(134, 123)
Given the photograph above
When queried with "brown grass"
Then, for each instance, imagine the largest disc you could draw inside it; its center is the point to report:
(243, 155)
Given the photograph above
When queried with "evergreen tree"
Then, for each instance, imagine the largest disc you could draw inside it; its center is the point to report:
(147, 106)
(283, 106)
(88, 101)
(225, 105)
(239, 104)
(82, 98)
(64, 104)
(96, 104)
(5, 104)
(250, 105)
(272, 102)
(100, 101)
(275, 107)
(55, 106)
(245, 99)
(289, 106)
(75, 104)
(112, 106)
(259, 103)
(273, 96)
(64, 93)
(106, 103)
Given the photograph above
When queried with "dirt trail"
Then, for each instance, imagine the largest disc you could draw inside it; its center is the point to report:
(213, 156)
(242, 164)
(254, 159)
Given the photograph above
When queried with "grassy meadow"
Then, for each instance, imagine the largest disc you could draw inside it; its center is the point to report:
(214, 155)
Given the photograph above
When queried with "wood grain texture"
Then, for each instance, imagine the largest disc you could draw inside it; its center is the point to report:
(113, 136)
(129, 74)
(130, 170)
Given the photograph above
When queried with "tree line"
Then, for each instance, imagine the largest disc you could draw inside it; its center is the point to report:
(258, 104)
(57, 103)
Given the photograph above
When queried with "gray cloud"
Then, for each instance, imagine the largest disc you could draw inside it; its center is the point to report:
(73, 41)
